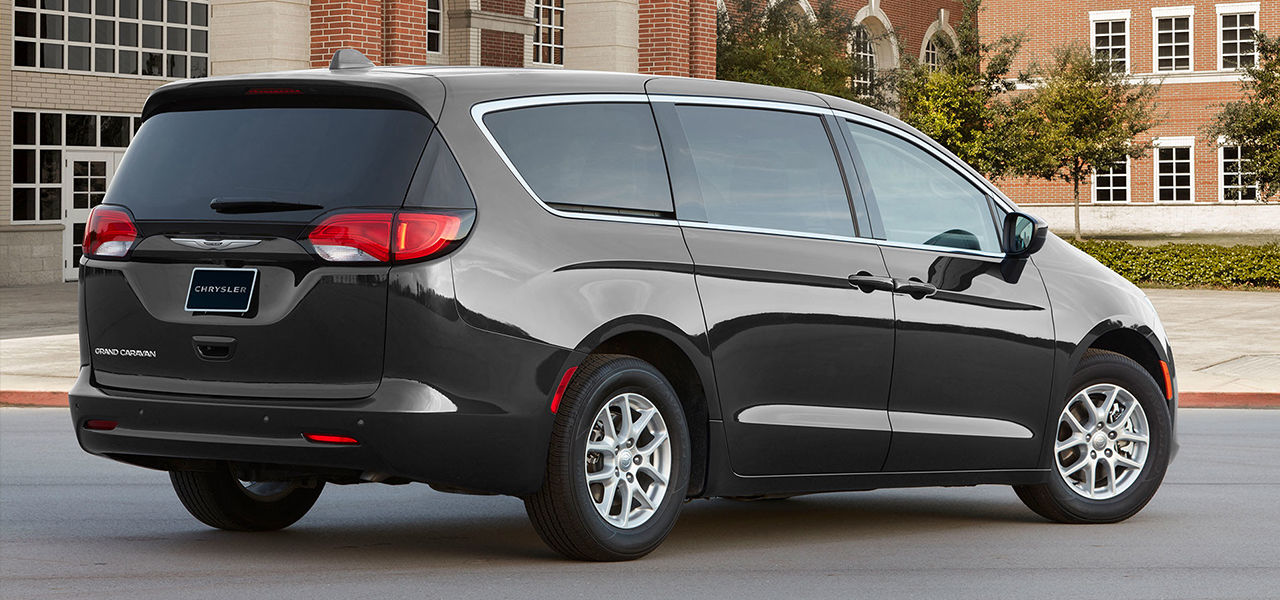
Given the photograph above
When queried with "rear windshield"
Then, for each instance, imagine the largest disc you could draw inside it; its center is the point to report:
(326, 157)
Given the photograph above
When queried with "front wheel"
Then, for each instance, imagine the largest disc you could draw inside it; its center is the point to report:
(618, 465)
(220, 500)
(1111, 445)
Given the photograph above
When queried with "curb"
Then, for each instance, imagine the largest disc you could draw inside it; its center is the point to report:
(1185, 399)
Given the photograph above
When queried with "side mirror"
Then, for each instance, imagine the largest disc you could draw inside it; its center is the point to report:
(1023, 234)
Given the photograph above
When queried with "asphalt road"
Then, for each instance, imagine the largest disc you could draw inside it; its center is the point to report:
(77, 526)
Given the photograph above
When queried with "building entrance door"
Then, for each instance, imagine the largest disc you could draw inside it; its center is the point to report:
(85, 176)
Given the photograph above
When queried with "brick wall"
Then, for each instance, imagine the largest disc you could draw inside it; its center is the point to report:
(404, 35)
(506, 7)
(1187, 101)
(501, 49)
(339, 24)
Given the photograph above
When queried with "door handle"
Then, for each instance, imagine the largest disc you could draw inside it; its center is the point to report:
(869, 283)
(915, 288)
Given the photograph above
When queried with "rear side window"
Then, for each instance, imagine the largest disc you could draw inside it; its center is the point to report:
(921, 199)
(766, 168)
(329, 157)
(592, 157)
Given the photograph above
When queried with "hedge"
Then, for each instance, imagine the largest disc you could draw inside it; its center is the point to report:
(1190, 264)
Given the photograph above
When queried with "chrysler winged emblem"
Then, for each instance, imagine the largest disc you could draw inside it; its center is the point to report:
(199, 244)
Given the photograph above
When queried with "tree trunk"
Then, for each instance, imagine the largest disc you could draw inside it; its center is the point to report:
(1075, 190)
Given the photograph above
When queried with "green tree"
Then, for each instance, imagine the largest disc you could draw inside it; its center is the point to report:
(781, 45)
(960, 102)
(1083, 114)
(1253, 122)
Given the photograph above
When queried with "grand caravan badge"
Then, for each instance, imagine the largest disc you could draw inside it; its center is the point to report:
(125, 352)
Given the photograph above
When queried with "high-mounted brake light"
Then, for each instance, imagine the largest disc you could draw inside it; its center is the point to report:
(382, 237)
(272, 92)
(109, 233)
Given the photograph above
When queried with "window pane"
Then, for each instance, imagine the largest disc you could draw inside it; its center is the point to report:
(24, 166)
(152, 64)
(152, 36)
(24, 24)
(128, 62)
(105, 8)
(50, 166)
(104, 60)
(24, 204)
(78, 58)
(24, 54)
(921, 199)
(177, 12)
(51, 27)
(79, 30)
(51, 4)
(129, 9)
(82, 130)
(199, 40)
(177, 65)
(24, 128)
(592, 155)
(765, 168)
(115, 131)
(199, 14)
(129, 34)
(79, 6)
(199, 66)
(151, 9)
(50, 204)
(177, 38)
(51, 129)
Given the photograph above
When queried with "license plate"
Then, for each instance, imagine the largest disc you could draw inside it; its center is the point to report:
(221, 290)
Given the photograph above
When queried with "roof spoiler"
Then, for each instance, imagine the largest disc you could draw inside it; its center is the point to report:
(349, 58)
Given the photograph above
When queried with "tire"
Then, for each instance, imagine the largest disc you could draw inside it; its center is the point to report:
(567, 511)
(1112, 495)
(221, 501)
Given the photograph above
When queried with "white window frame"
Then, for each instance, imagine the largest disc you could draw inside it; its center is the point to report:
(439, 31)
(63, 148)
(1222, 176)
(1128, 184)
(115, 47)
(863, 54)
(539, 26)
(1236, 8)
(1096, 16)
(1163, 12)
(1173, 142)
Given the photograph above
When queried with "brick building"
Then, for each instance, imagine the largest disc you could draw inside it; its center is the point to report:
(1188, 183)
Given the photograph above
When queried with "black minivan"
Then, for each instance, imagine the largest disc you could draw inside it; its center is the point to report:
(603, 293)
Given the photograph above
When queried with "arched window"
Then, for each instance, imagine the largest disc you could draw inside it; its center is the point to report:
(863, 54)
(933, 51)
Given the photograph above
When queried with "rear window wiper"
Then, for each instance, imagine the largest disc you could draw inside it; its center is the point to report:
(257, 205)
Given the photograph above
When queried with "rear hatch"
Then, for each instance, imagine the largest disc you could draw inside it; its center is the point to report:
(222, 293)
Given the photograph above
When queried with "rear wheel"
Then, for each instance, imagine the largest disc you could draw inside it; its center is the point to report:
(220, 500)
(618, 466)
(1111, 445)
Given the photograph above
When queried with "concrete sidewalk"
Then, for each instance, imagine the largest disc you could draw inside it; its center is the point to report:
(1226, 344)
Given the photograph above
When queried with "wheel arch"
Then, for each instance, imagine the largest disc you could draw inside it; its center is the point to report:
(1132, 342)
(680, 358)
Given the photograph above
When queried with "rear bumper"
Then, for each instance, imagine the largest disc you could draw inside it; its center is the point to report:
(405, 430)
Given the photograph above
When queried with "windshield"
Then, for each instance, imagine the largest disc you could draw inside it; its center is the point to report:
(324, 158)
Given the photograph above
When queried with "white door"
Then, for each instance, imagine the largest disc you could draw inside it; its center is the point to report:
(85, 176)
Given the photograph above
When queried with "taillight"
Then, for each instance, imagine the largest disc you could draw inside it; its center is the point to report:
(109, 233)
(382, 237)
(353, 237)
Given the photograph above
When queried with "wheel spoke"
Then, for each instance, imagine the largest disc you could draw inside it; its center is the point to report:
(1107, 404)
(1132, 436)
(598, 476)
(639, 494)
(605, 446)
(606, 497)
(638, 427)
(605, 419)
(653, 473)
(1125, 416)
(1127, 462)
(653, 444)
(1093, 410)
(624, 504)
(1076, 466)
(1111, 477)
(1076, 439)
(1091, 477)
(624, 427)
(1074, 423)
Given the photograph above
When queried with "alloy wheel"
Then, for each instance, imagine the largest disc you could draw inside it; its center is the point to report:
(1102, 441)
(627, 460)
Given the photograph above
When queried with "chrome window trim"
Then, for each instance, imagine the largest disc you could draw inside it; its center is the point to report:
(479, 110)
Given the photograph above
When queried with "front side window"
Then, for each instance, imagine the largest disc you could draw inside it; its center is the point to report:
(1238, 46)
(548, 35)
(587, 157)
(1111, 184)
(767, 169)
(1173, 174)
(1173, 44)
(155, 38)
(921, 199)
(1238, 179)
(1111, 44)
